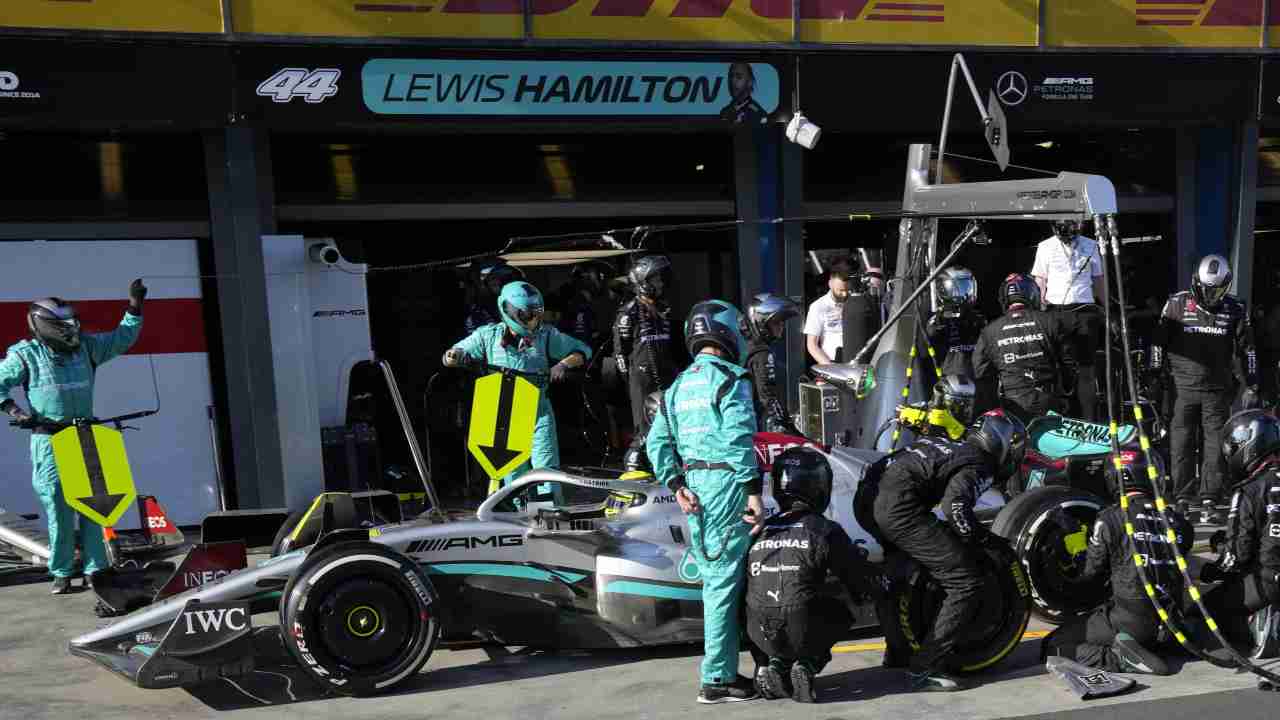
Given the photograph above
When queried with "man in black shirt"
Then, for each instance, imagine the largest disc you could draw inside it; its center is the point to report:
(1119, 635)
(767, 316)
(1200, 333)
(1249, 566)
(644, 348)
(901, 492)
(789, 617)
(1022, 348)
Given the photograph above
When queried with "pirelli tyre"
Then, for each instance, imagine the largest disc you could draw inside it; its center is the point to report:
(993, 634)
(360, 618)
(1048, 528)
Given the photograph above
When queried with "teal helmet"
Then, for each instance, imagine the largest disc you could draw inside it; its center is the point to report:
(720, 325)
(520, 305)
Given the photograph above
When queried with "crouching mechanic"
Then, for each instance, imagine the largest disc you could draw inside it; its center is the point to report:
(788, 616)
(701, 447)
(522, 342)
(1119, 635)
(56, 368)
(1249, 566)
(901, 490)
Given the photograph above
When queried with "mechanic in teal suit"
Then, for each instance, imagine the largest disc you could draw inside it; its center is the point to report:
(522, 342)
(56, 369)
(701, 447)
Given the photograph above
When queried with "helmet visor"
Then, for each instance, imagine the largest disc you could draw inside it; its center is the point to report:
(1212, 296)
(63, 334)
(958, 290)
(529, 317)
(959, 406)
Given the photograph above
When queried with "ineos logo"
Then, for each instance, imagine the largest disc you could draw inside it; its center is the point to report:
(1012, 88)
(8, 81)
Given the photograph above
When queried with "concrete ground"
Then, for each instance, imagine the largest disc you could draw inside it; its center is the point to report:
(39, 680)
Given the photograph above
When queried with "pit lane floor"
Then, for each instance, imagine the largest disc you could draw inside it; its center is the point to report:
(39, 680)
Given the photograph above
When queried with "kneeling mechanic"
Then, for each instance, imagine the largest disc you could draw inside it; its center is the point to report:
(788, 616)
(1119, 635)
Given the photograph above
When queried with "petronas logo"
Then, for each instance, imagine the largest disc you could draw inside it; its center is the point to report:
(689, 571)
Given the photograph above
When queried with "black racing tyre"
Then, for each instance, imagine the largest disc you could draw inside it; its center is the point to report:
(360, 618)
(992, 636)
(1036, 526)
(277, 545)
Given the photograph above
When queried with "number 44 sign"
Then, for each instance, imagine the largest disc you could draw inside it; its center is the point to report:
(314, 86)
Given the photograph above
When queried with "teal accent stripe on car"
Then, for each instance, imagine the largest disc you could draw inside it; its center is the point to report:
(501, 569)
(630, 587)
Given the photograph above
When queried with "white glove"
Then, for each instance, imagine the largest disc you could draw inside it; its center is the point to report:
(453, 357)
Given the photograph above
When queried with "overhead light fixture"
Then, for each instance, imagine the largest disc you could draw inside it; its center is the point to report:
(1047, 144)
(699, 167)
(802, 132)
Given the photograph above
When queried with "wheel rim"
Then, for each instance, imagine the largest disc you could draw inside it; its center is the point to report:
(1049, 561)
(365, 623)
(980, 631)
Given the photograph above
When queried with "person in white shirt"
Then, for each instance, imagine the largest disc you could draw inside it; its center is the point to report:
(1068, 269)
(824, 325)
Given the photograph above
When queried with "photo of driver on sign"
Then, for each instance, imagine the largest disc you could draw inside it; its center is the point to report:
(743, 109)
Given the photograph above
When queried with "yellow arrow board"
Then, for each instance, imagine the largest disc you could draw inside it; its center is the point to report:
(94, 472)
(504, 411)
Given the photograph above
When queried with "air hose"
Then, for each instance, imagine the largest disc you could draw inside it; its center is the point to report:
(1108, 235)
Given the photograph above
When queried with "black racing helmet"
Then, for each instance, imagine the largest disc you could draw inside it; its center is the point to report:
(1001, 436)
(766, 308)
(955, 394)
(1211, 281)
(1019, 289)
(718, 324)
(54, 323)
(956, 288)
(1136, 473)
(1249, 439)
(592, 276)
(494, 275)
(651, 276)
(801, 476)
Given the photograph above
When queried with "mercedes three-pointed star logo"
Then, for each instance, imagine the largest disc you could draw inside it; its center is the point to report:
(1012, 88)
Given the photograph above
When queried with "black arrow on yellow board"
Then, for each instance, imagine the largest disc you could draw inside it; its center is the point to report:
(500, 454)
(100, 501)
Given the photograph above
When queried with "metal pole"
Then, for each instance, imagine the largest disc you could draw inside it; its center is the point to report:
(217, 456)
(957, 61)
(415, 450)
(24, 543)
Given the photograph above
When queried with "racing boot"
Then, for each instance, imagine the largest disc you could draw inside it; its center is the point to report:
(740, 690)
(773, 679)
(936, 681)
(802, 690)
(61, 586)
(1131, 657)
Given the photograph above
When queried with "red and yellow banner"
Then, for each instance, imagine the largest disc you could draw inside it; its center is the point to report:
(175, 16)
(382, 18)
(920, 22)
(1156, 23)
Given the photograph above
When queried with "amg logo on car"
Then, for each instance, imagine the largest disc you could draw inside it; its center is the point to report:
(1047, 195)
(464, 543)
(213, 620)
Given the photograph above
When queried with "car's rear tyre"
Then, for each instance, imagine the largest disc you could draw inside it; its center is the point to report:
(1047, 527)
(991, 636)
(360, 618)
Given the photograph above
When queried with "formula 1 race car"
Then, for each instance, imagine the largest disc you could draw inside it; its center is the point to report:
(553, 560)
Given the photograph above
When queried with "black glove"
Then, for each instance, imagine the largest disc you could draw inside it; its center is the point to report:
(1212, 573)
(137, 293)
(559, 372)
(22, 419)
